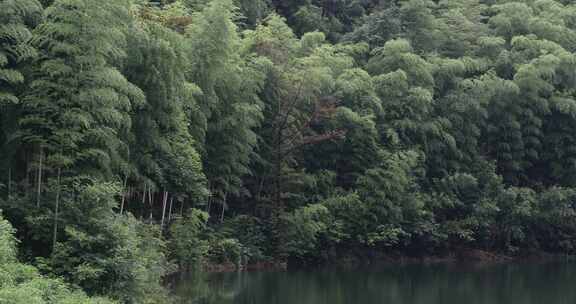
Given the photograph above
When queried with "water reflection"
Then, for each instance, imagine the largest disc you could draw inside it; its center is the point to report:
(549, 283)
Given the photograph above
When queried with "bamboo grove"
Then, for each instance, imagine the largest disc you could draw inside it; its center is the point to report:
(139, 138)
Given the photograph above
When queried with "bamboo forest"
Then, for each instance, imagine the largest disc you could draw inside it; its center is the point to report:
(144, 139)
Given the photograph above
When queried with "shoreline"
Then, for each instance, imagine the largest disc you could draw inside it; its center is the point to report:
(467, 256)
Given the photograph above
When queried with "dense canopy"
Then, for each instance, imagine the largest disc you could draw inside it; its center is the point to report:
(142, 137)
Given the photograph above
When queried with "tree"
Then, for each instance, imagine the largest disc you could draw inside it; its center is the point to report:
(188, 245)
(106, 253)
(77, 108)
(298, 96)
(162, 147)
(76, 116)
(230, 84)
(17, 19)
(22, 283)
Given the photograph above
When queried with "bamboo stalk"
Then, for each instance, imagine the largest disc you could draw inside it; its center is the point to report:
(39, 180)
(164, 201)
(10, 182)
(144, 195)
(209, 206)
(150, 202)
(123, 195)
(223, 208)
(55, 234)
(209, 203)
(143, 202)
(27, 176)
(170, 209)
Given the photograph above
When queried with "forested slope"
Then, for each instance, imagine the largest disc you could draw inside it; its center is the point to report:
(140, 137)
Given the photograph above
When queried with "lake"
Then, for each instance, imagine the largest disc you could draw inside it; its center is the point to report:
(523, 283)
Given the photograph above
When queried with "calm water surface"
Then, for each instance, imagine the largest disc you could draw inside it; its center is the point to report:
(540, 283)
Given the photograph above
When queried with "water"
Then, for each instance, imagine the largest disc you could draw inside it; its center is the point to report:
(527, 283)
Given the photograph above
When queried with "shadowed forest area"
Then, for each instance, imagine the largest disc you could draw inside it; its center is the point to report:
(144, 138)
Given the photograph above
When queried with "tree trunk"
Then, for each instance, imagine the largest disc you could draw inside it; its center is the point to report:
(170, 210)
(55, 234)
(223, 208)
(210, 198)
(27, 176)
(278, 182)
(164, 202)
(9, 182)
(39, 179)
(150, 202)
(123, 194)
(209, 206)
(260, 188)
(143, 202)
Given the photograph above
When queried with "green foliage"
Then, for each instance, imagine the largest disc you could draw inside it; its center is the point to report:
(163, 147)
(318, 129)
(250, 233)
(515, 208)
(230, 104)
(553, 223)
(77, 107)
(16, 20)
(188, 243)
(303, 228)
(226, 251)
(7, 242)
(105, 253)
(20, 283)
